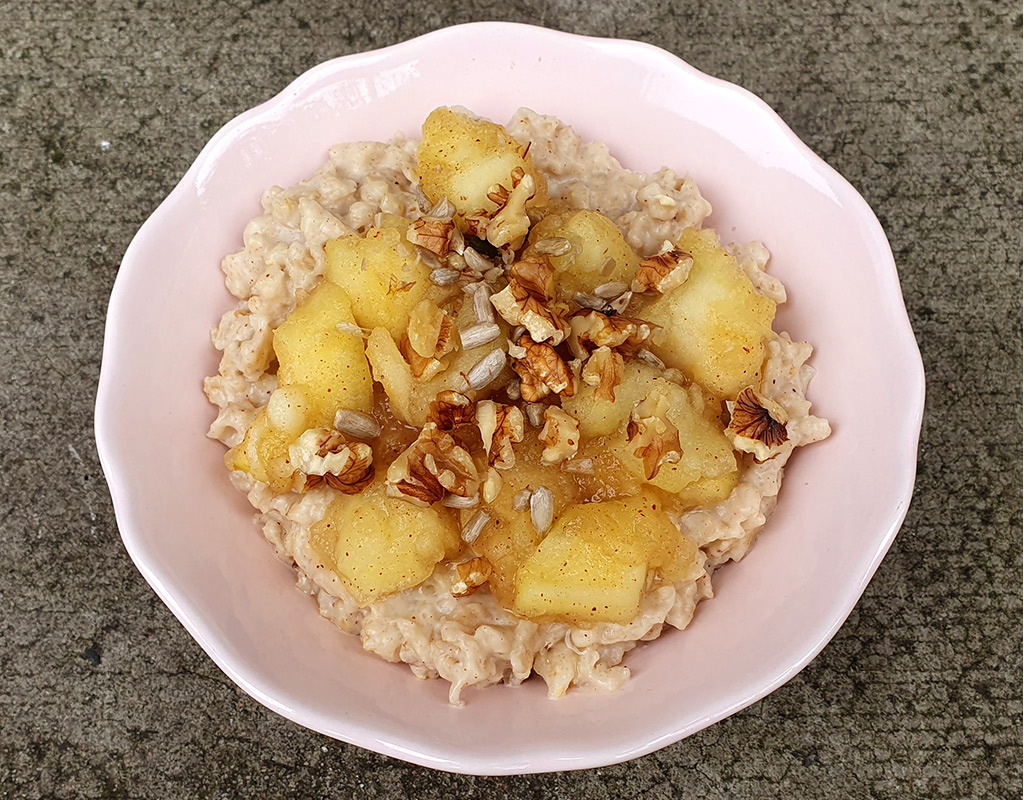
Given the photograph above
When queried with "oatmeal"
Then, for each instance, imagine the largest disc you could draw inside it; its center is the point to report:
(504, 405)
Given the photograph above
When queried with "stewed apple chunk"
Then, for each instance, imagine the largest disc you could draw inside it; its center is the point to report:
(594, 563)
(381, 274)
(715, 324)
(465, 160)
(328, 363)
(379, 545)
(586, 249)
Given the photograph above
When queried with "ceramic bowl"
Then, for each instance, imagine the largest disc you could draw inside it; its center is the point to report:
(191, 534)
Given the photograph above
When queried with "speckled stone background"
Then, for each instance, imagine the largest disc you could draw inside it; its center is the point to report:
(103, 105)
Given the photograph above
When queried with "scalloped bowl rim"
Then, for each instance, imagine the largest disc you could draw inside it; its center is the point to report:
(416, 747)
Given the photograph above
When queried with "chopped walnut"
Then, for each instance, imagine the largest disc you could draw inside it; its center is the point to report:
(625, 334)
(758, 424)
(665, 271)
(542, 371)
(500, 427)
(430, 466)
(422, 368)
(560, 435)
(603, 370)
(326, 456)
(432, 234)
(509, 225)
(470, 576)
(528, 300)
(450, 409)
(653, 437)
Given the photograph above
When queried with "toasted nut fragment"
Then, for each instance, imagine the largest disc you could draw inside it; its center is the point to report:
(430, 331)
(510, 224)
(432, 234)
(422, 368)
(561, 435)
(470, 575)
(537, 276)
(603, 370)
(625, 334)
(450, 409)
(326, 456)
(542, 371)
(653, 438)
(663, 272)
(429, 467)
(500, 427)
(758, 424)
(528, 300)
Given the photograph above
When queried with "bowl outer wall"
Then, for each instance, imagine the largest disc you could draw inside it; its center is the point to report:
(191, 534)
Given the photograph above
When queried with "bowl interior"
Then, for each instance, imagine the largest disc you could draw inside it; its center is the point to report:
(191, 533)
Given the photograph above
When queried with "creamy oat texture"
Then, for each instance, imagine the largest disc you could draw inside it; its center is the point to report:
(472, 640)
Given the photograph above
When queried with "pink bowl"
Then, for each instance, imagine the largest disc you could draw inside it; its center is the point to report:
(190, 533)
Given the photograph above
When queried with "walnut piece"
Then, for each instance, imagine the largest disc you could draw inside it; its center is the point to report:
(500, 427)
(528, 300)
(625, 334)
(429, 467)
(665, 271)
(432, 234)
(542, 371)
(603, 370)
(758, 424)
(654, 439)
(560, 435)
(509, 225)
(326, 456)
(450, 409)
(470, 576)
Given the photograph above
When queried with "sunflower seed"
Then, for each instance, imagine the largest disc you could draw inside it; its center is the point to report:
(482, 304)
(542, 509)
(618, 305)
(352, 329)
(477, 335)
(535, 414)
(589, 301)
(521, 501)
(648, 357)
(517, 333)
(493, 274)
(475, 526)
(553, 246)
(362, 426)
(458, 501)
(457, 240)
(582, 466)
(609, 291)
(442, 209)
(486, 369)
(444, 276)
(514, 389)
(475, 261)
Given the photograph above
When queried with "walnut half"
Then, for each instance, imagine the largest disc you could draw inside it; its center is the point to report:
(560, 435)
(528, 300)
(500, 426)
(665, 271)
(326, 456)
(653, 437)
(758, 424)
(431, 466)
(542, 371)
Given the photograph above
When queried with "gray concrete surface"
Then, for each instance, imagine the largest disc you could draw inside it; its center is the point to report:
(103, 105)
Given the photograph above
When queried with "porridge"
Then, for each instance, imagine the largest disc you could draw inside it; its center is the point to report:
(502, 404)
